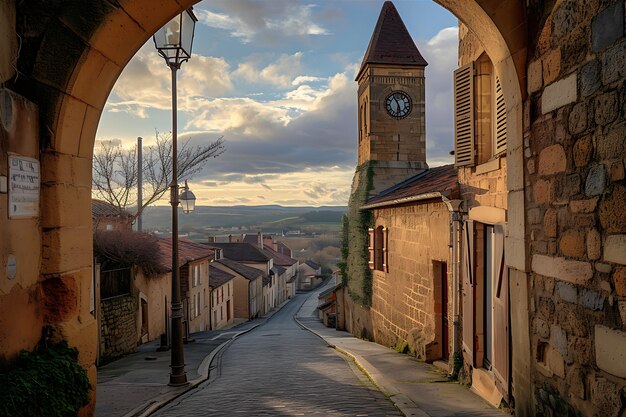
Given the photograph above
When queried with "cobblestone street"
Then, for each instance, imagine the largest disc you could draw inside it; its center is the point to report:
(281, 369)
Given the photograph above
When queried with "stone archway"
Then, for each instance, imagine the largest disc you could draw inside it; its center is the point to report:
(71, 61)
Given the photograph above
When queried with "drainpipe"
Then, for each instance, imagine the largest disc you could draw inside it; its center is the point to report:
(455, 210)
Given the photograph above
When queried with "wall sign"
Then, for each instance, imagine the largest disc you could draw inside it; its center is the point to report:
(24, 184)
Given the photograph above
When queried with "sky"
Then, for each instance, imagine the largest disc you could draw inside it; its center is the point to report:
(275, 79)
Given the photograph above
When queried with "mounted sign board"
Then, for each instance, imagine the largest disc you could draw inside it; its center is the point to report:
(24, 186)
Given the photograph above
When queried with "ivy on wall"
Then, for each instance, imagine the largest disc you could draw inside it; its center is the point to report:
(46, 382)
(355, 273)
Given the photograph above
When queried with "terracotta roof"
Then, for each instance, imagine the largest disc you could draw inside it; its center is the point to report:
(217, 277)
(391, 42)
(188, 250)
(279, 258)
(432, 183)
(245, 271)
(101, 208)
(238, 251)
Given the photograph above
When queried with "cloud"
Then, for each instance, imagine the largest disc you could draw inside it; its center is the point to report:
(441, 54)
(282, 73)
(145, 83)
(262, 21)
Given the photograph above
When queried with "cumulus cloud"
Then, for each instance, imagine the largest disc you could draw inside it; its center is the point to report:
(262, 21)
(145, 83)
(441, 54)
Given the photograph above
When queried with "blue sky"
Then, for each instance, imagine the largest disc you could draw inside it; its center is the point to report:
(275, 78)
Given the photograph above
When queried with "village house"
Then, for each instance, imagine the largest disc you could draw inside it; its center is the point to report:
(309, 275)
(107, 217)
(286, 270)
(222, 309)
(247, 288)
(194, 261)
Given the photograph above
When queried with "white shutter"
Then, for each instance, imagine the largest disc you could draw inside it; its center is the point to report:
(500, 120)
(464, 148)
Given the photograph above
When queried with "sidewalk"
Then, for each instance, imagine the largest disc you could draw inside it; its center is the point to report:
(136, 385)
(416, 388)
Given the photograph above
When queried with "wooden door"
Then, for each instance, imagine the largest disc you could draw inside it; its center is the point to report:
(445, 329)
(501, 365)
(468, 288)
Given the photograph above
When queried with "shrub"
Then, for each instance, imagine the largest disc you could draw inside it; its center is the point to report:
(46, 382)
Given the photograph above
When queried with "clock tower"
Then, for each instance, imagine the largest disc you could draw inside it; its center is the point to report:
(391, 103)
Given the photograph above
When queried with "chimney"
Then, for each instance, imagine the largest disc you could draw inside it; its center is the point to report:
(260, 240)
(211, 239)
(230, 238)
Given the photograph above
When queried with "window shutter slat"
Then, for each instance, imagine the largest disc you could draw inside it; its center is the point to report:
(500, 120)
(464, 149)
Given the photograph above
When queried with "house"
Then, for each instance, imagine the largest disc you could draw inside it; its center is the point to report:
(247, 288)
(412, 296)
(132, 289)
(327, 306)
(194, 261)
(107, 217)
(285, 268)
(309, 275)
(246, 254)
(222, 297)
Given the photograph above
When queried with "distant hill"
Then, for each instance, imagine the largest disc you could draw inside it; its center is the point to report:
(270, 218)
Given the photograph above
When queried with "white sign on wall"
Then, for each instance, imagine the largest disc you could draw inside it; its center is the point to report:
(24, 185)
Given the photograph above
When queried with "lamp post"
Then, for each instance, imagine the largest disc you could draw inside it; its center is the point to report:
(174, 41)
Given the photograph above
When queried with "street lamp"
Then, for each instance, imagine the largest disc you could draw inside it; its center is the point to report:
(187, 199)
(174, 41)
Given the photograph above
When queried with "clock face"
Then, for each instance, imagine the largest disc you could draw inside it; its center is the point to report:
(398, 104)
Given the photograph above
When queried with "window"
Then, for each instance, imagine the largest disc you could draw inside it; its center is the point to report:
(195, 276)
(479, 113)
(378, 249)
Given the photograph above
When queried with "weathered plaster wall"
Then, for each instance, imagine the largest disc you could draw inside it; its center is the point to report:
(403, 299)
(118, 327)
(156, 290)
(21, 240)
(575, 150)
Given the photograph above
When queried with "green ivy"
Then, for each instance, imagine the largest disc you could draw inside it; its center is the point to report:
(46, 382)
(355, 273)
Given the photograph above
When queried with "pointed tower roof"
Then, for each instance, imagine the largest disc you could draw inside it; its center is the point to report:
(391, 42)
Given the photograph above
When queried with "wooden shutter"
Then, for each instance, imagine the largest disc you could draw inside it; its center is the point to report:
(500, 120)
(370, 248)
(386, 249)
(467, 291)
(464, 148)
(378, 248)
(501, 317)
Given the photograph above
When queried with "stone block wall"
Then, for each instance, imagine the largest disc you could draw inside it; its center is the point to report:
(404, 299)
(575, 151)
(118, 327)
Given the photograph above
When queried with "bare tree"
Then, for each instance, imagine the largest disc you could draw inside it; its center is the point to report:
(115, 170)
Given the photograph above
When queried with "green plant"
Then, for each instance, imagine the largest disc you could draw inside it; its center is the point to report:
(457, 364)
(46, 382)
(356, 275)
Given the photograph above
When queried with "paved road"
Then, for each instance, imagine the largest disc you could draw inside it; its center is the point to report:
(280, 369)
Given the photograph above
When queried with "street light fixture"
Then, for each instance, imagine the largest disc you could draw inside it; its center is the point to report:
(174, 41)
(187, 199)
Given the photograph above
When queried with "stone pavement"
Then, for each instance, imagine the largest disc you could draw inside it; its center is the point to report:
(416, 388)
(136, 384)
(281, 369)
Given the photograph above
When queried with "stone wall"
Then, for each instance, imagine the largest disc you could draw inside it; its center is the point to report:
(574, 147)
(118, 327)
(404, 299)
